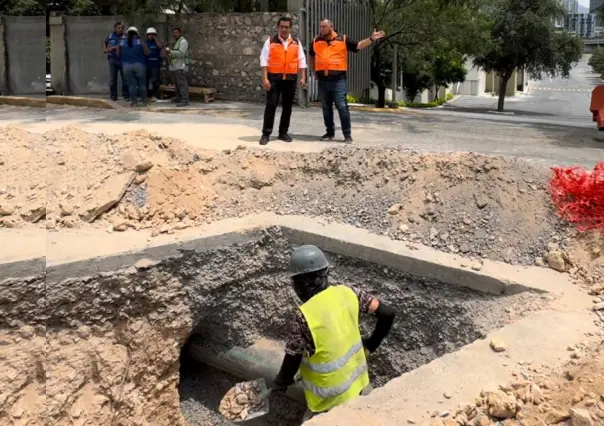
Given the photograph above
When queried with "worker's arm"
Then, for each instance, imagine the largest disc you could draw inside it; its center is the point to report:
(385, 318)
(369, 40)
(298, 342)
(311, 57)
(146, 50)
(264, 56)
(302, 64)
(106, 47)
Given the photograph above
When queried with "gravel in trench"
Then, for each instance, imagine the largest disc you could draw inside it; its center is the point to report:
(202, 388)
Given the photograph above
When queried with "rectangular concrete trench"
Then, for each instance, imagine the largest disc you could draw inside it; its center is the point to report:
(126, 333)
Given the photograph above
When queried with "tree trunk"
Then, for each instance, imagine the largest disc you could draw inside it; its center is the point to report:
(503, 85)
(381, 100)
(436, 88)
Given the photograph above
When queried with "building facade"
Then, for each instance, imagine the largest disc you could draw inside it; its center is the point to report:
(581, 24)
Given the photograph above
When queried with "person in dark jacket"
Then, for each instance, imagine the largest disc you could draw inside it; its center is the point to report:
(154, 61)
(110, 47)
(133, 53)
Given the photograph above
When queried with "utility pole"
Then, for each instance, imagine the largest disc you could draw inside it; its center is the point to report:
(394, 104)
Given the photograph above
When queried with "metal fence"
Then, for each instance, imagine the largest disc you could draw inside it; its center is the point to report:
(352, 18)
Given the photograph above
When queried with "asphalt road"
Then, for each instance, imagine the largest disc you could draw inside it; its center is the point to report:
(540, 142)
(554, 100)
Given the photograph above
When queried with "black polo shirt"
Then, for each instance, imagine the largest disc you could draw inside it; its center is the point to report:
(351, 46)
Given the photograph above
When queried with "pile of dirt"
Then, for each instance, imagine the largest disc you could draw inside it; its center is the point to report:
(575, 398)
(471, 204)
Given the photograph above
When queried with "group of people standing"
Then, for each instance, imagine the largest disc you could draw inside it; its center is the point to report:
(138, 62)
(282, 60)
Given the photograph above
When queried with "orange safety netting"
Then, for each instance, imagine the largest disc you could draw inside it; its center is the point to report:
(579, 195)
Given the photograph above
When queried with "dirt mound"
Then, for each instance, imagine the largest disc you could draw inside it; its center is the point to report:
(475, 205)
(575, 398)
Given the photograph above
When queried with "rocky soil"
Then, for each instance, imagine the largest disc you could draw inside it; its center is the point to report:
(574, 397)
(475, 205)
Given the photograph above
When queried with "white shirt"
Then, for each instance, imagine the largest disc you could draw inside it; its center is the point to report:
(266, 50)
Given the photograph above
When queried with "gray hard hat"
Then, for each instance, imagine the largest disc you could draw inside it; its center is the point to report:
(307, 259)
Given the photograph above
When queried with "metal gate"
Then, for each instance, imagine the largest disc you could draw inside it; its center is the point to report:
(350, 17)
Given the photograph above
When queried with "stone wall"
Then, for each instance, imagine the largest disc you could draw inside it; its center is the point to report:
(225, 51)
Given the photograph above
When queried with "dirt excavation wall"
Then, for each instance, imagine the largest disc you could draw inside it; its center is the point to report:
(114, 337)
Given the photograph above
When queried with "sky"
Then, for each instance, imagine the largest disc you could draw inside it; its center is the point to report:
(584, 3)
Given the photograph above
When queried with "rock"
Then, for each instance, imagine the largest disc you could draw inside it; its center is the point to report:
(8, 222)
(476, 266)
(143, 166)
(107, 196)
(67, 209)
(498, 345)
(598, 307)
(120, 225)
(51, 224)
(501, 405)
(482, 420)
(403, 228)
(394, 209)
(69, 222)
(6, 209)
(596, 289)
(481, 201)
(555, 260)
(437, 422)
(556, 416)
(539, 262)
(140, 179)
(537, 395)
(33, 211)
(580, 417)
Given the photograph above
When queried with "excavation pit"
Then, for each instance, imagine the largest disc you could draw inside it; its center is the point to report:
(120, 328)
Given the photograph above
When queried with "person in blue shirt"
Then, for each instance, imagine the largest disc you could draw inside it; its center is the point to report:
(154, 61)
(133, 53)
(110, 46)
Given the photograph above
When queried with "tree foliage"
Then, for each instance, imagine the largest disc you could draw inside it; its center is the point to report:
(523, 35)
(596, 62)
(22, 7)
(433, 38)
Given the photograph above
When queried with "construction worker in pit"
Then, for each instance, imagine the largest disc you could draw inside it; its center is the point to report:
(328, 57)
(325, 343)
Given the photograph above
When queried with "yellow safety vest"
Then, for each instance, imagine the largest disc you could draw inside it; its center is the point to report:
(337, 372)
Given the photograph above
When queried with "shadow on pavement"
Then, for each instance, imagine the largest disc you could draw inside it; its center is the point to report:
(295, 137)
(508, 111)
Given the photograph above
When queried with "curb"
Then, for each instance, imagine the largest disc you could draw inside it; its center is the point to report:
(23, 101)
(83, 102)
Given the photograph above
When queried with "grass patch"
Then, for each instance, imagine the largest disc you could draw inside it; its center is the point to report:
(366, 101)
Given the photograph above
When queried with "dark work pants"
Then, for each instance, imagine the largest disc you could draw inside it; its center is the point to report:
(332, 92)
(286, 90)
(182, 86)
(115, 68)
(153, 77)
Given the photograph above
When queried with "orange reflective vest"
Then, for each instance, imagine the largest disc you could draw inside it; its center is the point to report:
(330, 55)
(282, 62)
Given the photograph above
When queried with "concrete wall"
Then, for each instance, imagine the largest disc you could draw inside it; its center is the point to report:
(475, 83)
(22, 46)
(225, 50)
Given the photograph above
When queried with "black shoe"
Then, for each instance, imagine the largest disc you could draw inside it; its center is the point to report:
(285, 137)
(114, 99)
(182, 104)
(264, 140)
(347, 139)
(327, 137)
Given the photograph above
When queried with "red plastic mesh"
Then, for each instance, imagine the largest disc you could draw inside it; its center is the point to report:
(579, 195)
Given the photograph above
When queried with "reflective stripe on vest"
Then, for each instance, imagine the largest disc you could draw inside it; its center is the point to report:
(332, 56)
(337, 372)
(176, 47)
(281, 60)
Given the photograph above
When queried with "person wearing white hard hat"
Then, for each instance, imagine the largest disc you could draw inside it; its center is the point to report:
(133, 53)
(154, 61)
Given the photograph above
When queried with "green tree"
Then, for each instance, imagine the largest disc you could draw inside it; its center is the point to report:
(596, 62)
(523, 35)
(22, 7)
(424, 30)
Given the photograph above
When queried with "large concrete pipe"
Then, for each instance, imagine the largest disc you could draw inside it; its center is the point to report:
(261, 360)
